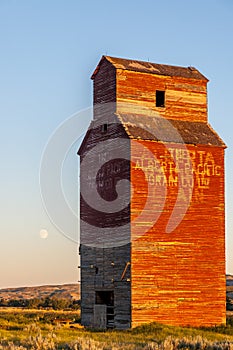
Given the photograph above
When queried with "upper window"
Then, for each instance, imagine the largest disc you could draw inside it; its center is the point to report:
(160, 98)
(104, 127)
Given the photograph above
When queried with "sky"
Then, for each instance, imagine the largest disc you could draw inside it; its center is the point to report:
(49, 49)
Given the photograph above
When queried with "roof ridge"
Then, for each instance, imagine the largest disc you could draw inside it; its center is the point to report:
(153, 68)
(141, 61)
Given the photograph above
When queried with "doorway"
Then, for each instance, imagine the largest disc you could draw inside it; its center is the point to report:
(104, 309)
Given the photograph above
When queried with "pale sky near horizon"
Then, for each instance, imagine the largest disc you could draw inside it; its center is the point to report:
(49, 50)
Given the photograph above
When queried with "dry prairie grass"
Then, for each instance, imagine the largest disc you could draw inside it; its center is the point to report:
(36, 330)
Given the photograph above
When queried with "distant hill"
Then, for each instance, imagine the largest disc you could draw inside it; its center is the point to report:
(71, 292)
(65, 291)
(229, 280)
(229, 283)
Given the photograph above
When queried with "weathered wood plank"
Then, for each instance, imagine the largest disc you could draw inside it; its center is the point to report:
(178, 277)
(185, 99)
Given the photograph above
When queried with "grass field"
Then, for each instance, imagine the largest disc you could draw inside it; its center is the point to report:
(45, 329)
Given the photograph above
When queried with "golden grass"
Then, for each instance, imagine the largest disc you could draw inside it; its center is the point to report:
(37, 329)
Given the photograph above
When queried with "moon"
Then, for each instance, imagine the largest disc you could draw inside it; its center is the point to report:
(43, 234)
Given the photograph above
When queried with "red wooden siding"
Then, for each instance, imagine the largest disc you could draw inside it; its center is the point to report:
(185, 99)
(179, 277)
(172, 267)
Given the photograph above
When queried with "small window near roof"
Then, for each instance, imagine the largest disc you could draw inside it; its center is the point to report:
(104, 127)
(160, 98)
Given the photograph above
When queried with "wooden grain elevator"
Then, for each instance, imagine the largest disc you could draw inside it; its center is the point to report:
(159, 255)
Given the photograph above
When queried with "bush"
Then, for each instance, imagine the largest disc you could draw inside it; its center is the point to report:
(43, 303)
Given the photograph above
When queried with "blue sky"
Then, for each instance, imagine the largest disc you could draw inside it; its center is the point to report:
(48, 51)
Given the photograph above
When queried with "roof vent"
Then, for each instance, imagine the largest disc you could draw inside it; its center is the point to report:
(192, 68)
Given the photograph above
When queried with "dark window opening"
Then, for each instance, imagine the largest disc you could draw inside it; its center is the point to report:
(104, 127)
(104, 297)
(160, 98)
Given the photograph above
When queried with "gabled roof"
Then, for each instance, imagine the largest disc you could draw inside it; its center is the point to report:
(141, 127)
(152, 68)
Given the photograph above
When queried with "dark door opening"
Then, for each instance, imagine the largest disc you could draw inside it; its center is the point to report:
(106, 298)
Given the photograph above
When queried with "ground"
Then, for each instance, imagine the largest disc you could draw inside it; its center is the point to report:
(48, 329)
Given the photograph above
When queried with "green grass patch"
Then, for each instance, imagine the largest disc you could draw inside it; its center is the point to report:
(41, 329)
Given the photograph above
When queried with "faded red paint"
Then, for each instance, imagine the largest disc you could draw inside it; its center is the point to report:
(175, 277)
(179, 277)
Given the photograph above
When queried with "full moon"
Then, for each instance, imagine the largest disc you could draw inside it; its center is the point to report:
(43, 233)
